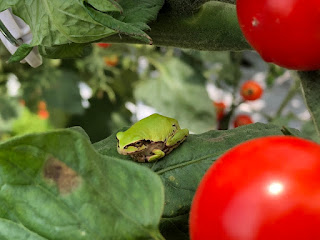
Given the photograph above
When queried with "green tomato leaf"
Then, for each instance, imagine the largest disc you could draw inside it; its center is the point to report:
(57, 186)
(12, 230)
(81, 131)
(310, 86)
(202, 25)
(116, 25)
(212, 26)
(105, 6)
(77, 21)
(131, 21)
(184, 89)
(21, 53)
(57, 22)
(66, 51)
(309, 131)
(182, 170)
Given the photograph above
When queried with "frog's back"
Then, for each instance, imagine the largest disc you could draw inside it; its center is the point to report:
(155, 127)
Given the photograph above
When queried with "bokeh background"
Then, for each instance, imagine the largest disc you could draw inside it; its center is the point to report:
(115, 85)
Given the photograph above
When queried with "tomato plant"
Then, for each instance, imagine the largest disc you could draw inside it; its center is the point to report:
(241, 120)
(284, 32)
(251, 90)
(263, 189)
(86, 92)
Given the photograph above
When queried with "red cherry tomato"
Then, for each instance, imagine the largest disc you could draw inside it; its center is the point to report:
(43, 114)
(220, 108)
(241, 120)
(264, 189)
(251, 90)
(103, 45)
(285, 32)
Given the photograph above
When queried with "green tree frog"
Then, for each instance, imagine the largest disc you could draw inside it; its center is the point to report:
(151, 138)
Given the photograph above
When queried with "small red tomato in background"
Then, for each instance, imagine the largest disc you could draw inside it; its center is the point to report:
(285, 32)
(251, 90)
(241, 120)
(43, 114)
(42, 110)
(42, 105)
(111, 61)
(264, 189)
(103, 45)
(220, 109)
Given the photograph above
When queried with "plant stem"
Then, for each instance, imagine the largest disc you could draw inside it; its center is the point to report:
(235, 59)
(310, 85)
(213, 27)
(291, 93)
(225, 121)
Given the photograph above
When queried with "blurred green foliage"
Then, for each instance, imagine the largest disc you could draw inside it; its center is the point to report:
(94, 92)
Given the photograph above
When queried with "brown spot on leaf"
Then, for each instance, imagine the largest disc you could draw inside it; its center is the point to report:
(64, 177)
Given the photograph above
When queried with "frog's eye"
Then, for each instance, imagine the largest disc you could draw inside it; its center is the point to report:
(138, 144)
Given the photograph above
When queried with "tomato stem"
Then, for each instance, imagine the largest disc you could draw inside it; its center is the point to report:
(196, 28)
(291, 93)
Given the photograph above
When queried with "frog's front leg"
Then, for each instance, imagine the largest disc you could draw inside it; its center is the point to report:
(179, 136)
(157, 155)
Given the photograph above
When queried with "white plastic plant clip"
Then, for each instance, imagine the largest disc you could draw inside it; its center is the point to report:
(14, 32)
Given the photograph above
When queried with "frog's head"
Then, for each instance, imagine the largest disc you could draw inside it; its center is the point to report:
(128, 144)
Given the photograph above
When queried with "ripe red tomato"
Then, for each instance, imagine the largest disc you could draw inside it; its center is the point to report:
(220, 109)
(241, 120)
(264, 189)
(251, 90)
(103, 45)
(285, 32)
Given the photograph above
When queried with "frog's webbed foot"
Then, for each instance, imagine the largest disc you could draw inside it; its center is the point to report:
(157, 155)
(178, 137)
